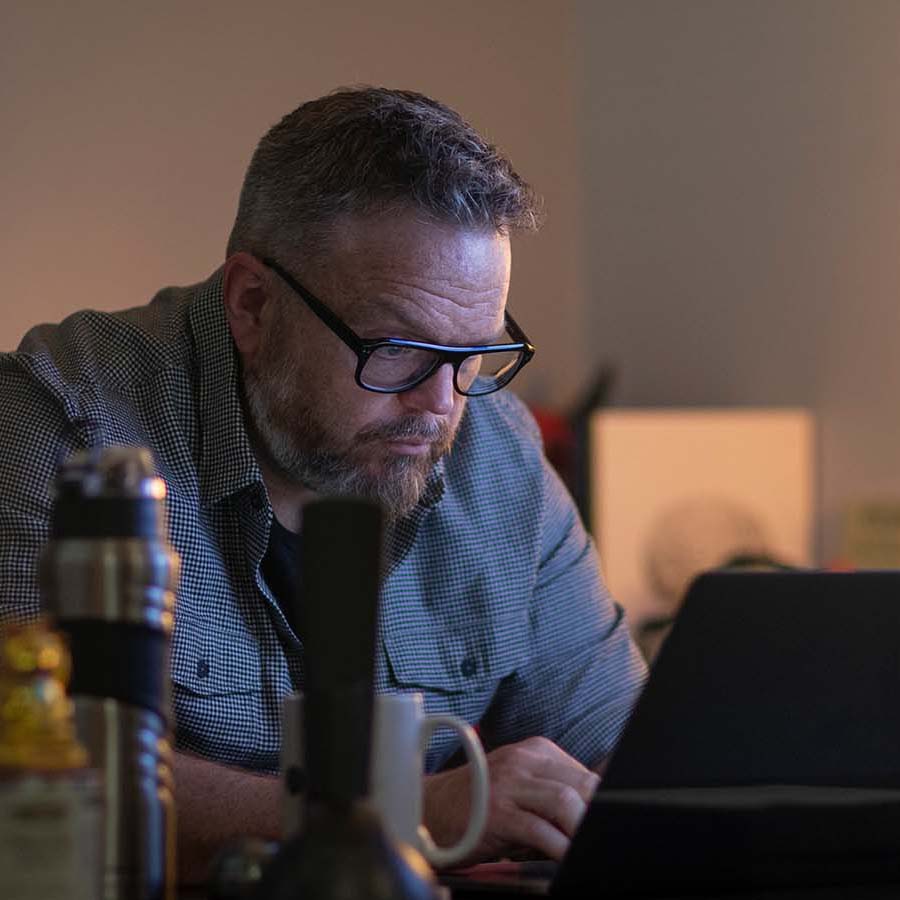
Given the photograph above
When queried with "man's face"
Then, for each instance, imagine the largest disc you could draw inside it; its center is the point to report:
(392, 276)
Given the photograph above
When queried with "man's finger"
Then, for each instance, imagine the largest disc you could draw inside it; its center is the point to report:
(555, 802)
(541, 756)
(557, 765)
(529, 830)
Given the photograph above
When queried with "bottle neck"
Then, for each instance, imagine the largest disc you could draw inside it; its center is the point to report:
(337, 723)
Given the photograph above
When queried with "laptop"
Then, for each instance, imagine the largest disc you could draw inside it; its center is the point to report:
(765, 748)
(763, 753)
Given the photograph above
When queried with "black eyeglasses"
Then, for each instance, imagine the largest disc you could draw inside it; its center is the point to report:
(392, 365)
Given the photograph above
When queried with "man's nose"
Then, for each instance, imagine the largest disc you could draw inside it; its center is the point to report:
(435, 394)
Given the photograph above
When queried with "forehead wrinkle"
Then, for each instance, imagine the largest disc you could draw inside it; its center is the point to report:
(423, 308)
(428, 298)
(424, 329)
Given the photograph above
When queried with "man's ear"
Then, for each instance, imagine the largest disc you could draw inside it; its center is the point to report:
(244, 287)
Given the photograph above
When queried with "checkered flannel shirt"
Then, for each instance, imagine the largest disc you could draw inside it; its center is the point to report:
(492, 605)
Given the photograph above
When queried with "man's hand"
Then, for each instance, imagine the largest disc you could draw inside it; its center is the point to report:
(538, 796)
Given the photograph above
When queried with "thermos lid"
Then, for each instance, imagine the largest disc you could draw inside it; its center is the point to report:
(109, 492)
(108, 575)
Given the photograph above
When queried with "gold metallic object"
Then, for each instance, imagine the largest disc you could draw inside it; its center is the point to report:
(37, 730)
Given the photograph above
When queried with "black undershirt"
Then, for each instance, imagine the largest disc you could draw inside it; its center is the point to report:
(281, 569)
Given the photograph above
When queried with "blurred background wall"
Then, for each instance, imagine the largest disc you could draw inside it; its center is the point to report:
(743, 239)
(125, 130)
(721, 179)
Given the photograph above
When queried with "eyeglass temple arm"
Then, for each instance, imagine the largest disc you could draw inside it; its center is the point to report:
(343, 331)
(515, 332)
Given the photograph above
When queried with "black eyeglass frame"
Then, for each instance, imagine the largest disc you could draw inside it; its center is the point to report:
(364, 349)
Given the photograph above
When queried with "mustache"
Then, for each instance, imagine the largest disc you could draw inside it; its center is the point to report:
(410, 427)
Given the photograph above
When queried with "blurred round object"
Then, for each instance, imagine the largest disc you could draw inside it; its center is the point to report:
(238, 868)
(697, 534)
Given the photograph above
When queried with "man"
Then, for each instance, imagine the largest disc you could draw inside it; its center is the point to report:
(354, 342)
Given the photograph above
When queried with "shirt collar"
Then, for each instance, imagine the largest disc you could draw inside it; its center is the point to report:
(227, 462)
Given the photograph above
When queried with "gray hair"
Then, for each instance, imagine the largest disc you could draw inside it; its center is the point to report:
(365, 151)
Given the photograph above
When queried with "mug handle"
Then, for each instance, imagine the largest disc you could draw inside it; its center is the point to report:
(446, 856)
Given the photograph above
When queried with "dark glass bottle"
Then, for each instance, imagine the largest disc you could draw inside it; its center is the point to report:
(342, 850)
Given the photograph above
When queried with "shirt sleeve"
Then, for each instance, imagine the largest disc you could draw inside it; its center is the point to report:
(21, 538)
(34, 435)
(583, 673)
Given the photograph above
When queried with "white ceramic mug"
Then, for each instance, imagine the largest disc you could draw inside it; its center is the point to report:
(400, 734)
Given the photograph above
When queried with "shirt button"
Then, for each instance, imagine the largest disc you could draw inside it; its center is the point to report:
(469, 666)
(202, 668)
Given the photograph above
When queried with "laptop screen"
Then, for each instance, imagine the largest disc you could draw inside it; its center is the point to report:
(772, 678)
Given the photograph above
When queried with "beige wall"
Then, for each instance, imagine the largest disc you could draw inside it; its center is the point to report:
(744, 164)
(126, 129)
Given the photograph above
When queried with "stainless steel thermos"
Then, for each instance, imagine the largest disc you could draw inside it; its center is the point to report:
(108, 576)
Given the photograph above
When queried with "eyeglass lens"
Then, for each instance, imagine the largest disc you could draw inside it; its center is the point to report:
(395, 367)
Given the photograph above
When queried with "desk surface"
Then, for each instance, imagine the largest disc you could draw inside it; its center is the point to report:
(483, 892)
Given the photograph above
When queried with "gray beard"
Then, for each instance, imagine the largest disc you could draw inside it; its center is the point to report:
(301, 450)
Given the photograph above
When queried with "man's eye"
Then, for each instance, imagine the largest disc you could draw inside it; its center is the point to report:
(393, 352)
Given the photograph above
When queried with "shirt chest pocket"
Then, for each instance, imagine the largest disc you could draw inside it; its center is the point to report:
(217, 693)
(209, 661)
(450, 662)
